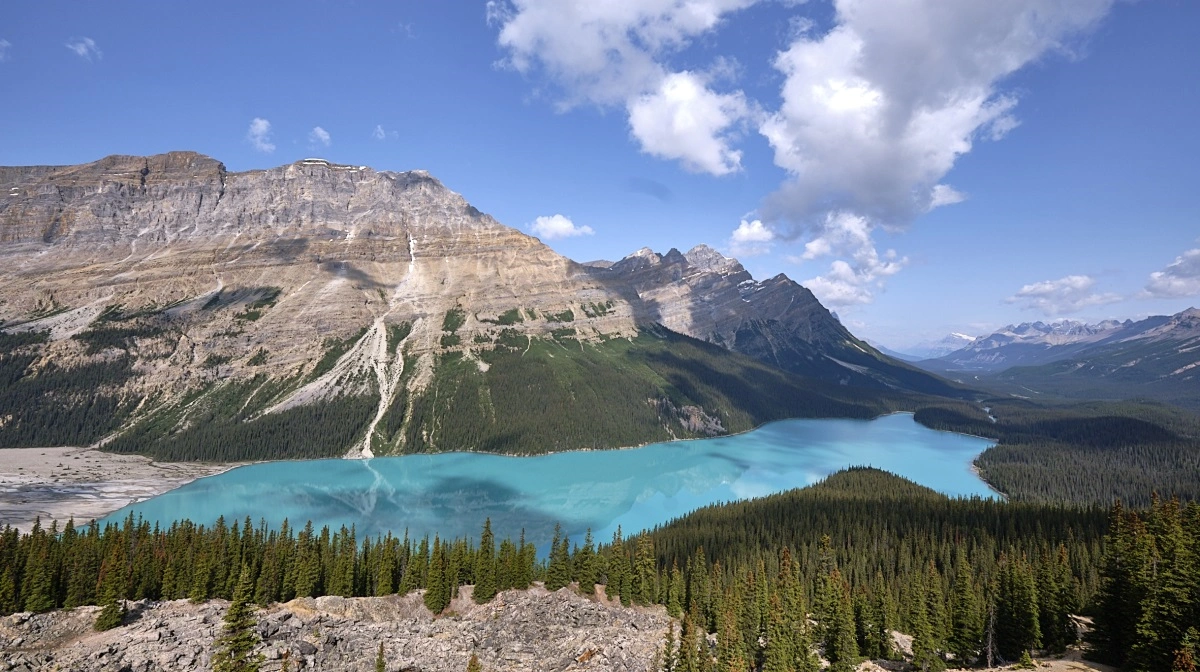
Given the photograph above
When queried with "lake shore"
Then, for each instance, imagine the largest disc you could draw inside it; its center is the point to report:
(70, 482)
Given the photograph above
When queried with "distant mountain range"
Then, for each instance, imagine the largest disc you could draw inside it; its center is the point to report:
(1158, 358)
(168, 306)
(930, 349)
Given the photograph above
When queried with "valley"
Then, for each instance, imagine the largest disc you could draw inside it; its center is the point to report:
(178, 319)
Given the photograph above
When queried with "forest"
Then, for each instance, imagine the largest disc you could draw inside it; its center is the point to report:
(836, 565)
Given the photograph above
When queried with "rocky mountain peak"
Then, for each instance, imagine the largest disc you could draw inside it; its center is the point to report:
(704, 257)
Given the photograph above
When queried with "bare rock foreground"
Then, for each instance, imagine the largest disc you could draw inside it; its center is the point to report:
(519, 630)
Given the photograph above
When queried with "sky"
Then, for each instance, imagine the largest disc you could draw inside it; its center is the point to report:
(923, 166)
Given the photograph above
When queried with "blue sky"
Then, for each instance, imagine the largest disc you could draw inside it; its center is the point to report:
(923, 165)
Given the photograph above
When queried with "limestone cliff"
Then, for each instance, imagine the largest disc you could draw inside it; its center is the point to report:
(185, 294)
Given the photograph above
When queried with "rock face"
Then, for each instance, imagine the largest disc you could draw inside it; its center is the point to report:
(518, 630)
(712, 297)
(171, 277)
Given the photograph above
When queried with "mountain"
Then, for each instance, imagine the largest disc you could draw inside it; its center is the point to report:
(941, 347)
(709, 296)
(172, 307)
(1156, 358)
(1025, 344)
(894, 354)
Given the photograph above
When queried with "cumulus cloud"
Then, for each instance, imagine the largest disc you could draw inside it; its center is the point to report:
(5, 45)
(614, 54)
(751, 238)
(875, 108)
(319, 137)
(854, 278)
(259, 135)
(1180, 278)
(558, 226)
(876, 111)
(381, 134)
(1054, 298)
(85, 47)
(683, 120)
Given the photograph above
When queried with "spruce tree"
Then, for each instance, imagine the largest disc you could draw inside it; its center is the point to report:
(473, 665)
(585, 566)
(966, 629)
(380, 663)
(1017, 627)
(112, 615)
(437, 593)
(558, 574)
(485, 565)
(237, 641)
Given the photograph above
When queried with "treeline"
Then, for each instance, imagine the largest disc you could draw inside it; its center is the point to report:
(545, 395)
(967, 578)
(56, 405)
(1148, 610)
(224, 424)
(865, 553)
(1088, 453)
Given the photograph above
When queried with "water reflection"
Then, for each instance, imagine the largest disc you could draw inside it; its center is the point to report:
(453, 493)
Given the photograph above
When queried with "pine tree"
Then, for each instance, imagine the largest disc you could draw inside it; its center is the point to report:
(558, 574)
(437, 592)
(485, 565)
(473, 665)
(1120, 596)
(841, 644)
(380, 663)
(1187, 653)
(585, 566)
(669, 657)
(112, 615)
(1017, 627)
(966, 630)
(234, 646)
(645, 574)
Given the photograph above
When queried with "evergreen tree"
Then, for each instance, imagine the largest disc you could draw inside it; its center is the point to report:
(1017, 627)
(485, 565)
(112, 615)
(645, 573)
(585, 566)
(437, 592)
(237, 641)
(473, 665)
(841, 643)
(558, 574)
(966, 629)
(669, 656)
(380, 663)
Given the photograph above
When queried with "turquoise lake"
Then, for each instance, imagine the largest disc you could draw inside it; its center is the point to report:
(452, 493)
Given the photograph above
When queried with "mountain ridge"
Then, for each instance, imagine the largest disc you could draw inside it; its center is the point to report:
(191, 297)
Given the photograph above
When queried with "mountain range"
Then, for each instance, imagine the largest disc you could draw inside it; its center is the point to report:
(1157, 358)
(166, 305)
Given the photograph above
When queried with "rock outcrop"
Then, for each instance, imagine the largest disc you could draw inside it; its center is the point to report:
(518, 630)
(173, 277)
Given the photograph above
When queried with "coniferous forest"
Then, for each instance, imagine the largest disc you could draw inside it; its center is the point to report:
(837, 566)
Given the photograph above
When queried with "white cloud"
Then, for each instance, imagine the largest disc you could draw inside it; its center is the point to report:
(558, 226)
(685, 121)
(85, 47)
(614, 53)
(1180, 278)
(5, 45)
(319, 137)
(849, 282)
(1054, 298)
(381, 134)
(876, 111)
(751, 238)
(259, 135)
